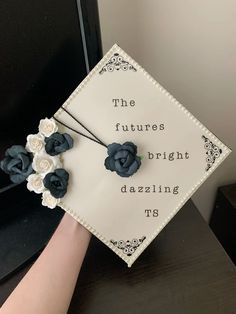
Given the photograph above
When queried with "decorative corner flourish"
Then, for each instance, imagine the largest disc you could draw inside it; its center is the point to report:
(212, 151)
(117, 63)
(128, 247)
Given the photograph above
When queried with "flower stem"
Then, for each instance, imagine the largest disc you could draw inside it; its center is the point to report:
(80, 123)
(72, 129)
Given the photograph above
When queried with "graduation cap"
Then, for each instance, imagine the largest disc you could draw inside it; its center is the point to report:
(121, 156)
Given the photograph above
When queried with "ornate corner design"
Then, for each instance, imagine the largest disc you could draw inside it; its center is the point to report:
(128, 247)
(117, 63)
(212, 151)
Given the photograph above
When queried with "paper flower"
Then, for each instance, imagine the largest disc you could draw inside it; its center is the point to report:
(17, 163)
(48, 200)
(39, 162)
(35, 183)
(58, 143)
(47, 127)
(43, 163)
(122, 159)
(56, 182)
(35, 143)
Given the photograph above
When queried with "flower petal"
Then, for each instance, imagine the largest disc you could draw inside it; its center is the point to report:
(17, 178)
(60, 172)
(134, 167)
(112, 148)
(15, 150)
(121, 154)
(109, 164)
(12, 163)
(119, 167)
(123, 174)
(128, 161)
(69, 140)
(25, 161)
(130, 147)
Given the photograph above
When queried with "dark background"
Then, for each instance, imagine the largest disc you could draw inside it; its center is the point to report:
(47, 48)
(41, 62)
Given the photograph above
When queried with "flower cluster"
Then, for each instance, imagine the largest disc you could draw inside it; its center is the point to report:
(39, 162)
(49, 178)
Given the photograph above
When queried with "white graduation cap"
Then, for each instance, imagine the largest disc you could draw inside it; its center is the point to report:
(140, 157)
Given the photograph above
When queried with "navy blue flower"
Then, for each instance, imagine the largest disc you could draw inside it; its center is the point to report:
(58, 143)
(122, 159)
(17, 163)
(56, 182)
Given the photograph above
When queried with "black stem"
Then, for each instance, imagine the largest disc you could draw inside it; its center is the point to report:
(92, 139)
(80, 123)
(8, 187)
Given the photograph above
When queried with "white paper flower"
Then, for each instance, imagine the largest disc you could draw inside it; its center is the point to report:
(47, 127)
(43, 163)
(35, 183)
(49, 201)
(35, 143)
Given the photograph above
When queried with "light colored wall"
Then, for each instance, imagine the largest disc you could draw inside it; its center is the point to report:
(189, 46)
